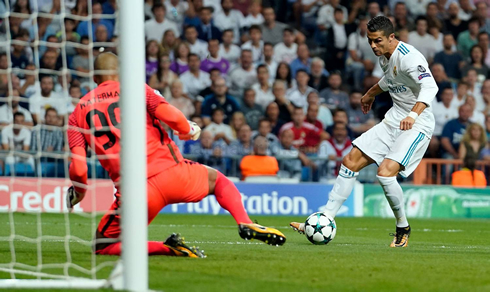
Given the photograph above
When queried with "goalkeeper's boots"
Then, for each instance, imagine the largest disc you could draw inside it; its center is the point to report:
(266, 234)
(401, 237)
(176, 243)
(300, 227)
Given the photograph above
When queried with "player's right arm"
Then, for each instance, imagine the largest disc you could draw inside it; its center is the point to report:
(78, 167)
(368, 98)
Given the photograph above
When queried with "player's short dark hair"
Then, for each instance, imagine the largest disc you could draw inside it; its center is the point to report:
(381, 23)
(288, 29)
(262, 66)
(255, 27)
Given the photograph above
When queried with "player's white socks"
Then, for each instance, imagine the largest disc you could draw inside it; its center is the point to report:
(394, 195)
(341, 190)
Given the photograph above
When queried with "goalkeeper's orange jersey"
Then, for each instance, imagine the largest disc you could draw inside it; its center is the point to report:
(96, 122)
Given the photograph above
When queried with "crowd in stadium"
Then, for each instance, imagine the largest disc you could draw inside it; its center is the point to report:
(275, 78)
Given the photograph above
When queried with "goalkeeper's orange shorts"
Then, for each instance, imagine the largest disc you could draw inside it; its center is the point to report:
(183, 183)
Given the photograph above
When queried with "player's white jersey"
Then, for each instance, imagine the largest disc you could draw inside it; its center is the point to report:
(408, 79)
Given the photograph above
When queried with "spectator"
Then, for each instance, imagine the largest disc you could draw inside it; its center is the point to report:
(179, 100)
(286, 51)
(255, 44)
(460, 96)
(291, 159)
(298, 96)
(220, 130)
(50, 61)
(360, 55)
(229, 50)
(229, 18)
(487, 127)
(101, 34)
(467, 39)
(195, 79)
(207, 151)
(454, 24)
(318, 76)
(484, 43)
(236, 122)
(244, 76)
(80, 9)
(485, 92)
(83, 26)
(177, 10)
(81, 61)
(163, 77)
(326, 13)
(303, 61)
(269, 61)
(180, 64)
(312, 116)
(474, 89)
(468, 176)
(192, 17)
(243, 144)
(272, 113)
(422, 40)
(432, 15)
(43, 30)
(264, 130)
(402, 20)
(214, 60)
(8, 110)
(476, 116)
(252, 111)
(263, 90)
(49, 137)
(157, 26)
(358, 121)
(451, 61)
(207, 31)
(285, 106)
(443, 111)
(109, 7)
(283, 73)
(466, 9)
(335, 97)
(47, 98)
(340, 116)
(16, 137)
(214, 74)
(272, 30)
(197, 46)
(481, 13)
(324, 114)
(29, 85)
(307, 137)
(219, 99)
(477, 63)
(473, 142)
(152, 55)
(18, 57)
(75, 93)
(337, 41)
(169, 44)
(254, 16)
(335, 148)
(453, 132)
(259, 163)
(441, 79)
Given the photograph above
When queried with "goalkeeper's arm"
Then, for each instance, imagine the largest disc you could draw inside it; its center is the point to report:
(176, 120)
(78, 167)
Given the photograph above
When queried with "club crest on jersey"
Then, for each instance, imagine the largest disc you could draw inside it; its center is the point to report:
(394, 71)
(421, 69)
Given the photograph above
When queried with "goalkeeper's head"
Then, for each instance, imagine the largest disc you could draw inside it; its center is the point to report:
(106, 67)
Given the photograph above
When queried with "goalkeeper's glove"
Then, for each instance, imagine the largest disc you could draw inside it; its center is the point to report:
(73, 198)
(193, 134)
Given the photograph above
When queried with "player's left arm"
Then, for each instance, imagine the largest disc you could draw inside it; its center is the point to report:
(418, 69)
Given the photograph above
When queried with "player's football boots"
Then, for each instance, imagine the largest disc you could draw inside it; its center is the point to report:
(266, 234)
(176, 243)
(401, 237)
(300, 227)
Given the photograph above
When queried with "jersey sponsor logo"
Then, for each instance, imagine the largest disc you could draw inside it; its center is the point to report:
(397, 89)
(423, 75)
(421, 69)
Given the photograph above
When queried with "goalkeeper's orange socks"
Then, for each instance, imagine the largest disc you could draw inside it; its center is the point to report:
(230, 199)
(154, 248)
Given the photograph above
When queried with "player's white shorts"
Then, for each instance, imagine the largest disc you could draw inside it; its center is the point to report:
(405, 147)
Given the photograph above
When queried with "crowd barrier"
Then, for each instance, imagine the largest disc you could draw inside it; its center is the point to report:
(433, 171)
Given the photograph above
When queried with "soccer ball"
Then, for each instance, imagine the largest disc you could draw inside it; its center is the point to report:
(320, 229)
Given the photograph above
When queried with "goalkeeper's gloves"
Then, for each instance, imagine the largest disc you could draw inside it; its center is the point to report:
(193, 134)
(73, 198)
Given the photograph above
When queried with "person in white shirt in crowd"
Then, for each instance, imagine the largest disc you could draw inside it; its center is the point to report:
(228, 50)
(417, 8)
(179, 100)
(229, 18)
(75, 93)
(177, 10)
(477, 116)
(324, 114)
(8, 110)
(195, 79)
(38, 103)
(443, 112)
(373, 10)
(422, 40)
(255, 44)
(254, 16)
(156, 27)
(298, 96)
(197, 46)
(16, 137)
(460, 95)
(286, 51)
(220, 130)
(326, 19)
(484, 43)
(269, 61)
(474, 88)
(466, 9)
(242, 77)
(309, 10)
(263, 88)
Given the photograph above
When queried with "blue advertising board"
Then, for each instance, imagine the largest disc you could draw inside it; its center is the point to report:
(273, 199)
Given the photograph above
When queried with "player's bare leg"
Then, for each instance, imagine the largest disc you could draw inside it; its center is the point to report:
(349, 170)
(387, 173)
(230, 199)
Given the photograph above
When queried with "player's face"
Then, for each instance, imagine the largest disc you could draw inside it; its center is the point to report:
(379, 42)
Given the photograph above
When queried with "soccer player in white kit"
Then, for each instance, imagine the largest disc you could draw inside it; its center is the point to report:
(398, 143)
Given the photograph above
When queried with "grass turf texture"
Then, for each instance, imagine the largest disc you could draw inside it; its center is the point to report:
(443, 255)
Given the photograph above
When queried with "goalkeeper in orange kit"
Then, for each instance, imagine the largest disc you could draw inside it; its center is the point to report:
(95, 122)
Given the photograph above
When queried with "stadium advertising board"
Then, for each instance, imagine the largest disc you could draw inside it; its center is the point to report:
(276, 199)
(431, 202)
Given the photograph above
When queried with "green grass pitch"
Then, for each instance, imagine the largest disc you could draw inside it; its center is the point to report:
(443, 255)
